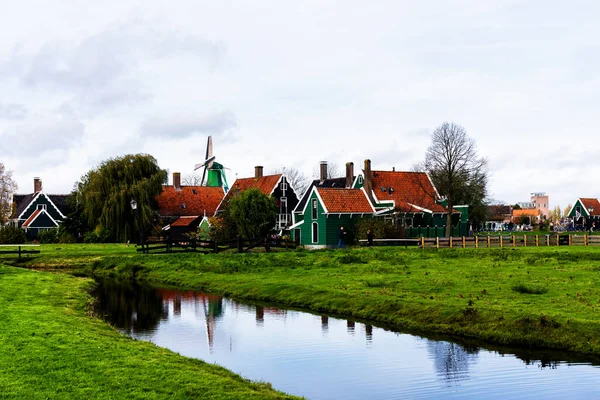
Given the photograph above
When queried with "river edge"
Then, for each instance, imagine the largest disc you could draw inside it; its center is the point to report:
(53, 347)
(458, 292)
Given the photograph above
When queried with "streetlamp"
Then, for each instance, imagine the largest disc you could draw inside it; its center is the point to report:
(133, 205)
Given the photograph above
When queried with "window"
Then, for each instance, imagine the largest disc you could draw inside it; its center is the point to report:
(41, 206)
(284, 186)
(283, 201)
(314, 209)
(315, 232)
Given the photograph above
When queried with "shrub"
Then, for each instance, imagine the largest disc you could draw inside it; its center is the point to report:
(525, 289)
(12, 235)
(48, 236)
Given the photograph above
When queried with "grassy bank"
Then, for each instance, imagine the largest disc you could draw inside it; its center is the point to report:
(542, 297)
(51, 348)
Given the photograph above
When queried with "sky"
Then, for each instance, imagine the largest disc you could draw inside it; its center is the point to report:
(289, 84)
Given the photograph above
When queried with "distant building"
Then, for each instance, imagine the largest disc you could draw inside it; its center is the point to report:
(38, 211)
(585, 212)
(542, 204)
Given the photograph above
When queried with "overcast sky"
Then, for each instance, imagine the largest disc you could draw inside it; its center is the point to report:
(281, 83)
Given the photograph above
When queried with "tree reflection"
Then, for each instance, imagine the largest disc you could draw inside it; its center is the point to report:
(130, 307)
(451, 360)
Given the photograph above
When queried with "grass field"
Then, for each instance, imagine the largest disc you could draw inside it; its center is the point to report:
(52, 348)
(542, 297)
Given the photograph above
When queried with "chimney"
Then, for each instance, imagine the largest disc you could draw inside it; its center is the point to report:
(177, 180)
(393, 169)
(349, 174)
(368, 185)
(258, 171)
(37, 185)
(323, 170)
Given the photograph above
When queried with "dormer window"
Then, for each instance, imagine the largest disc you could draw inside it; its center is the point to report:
(41, 206)
(183, 205)
(194, 191)
(591, 209)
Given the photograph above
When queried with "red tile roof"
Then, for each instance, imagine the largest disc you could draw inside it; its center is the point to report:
(525, 212)
(338, 200)
(31, 218)
(591, 203)
(185, 221)
(266, 184)
(197, 200)
(408, 189)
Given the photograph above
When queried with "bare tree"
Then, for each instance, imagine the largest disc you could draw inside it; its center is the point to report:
(7, 188)
(456, 170)
(296, 178)
(191, 180)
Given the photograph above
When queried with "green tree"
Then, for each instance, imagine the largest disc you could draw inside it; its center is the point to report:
(456, 170)
(105, 194)
(7, 188)
(253, 212)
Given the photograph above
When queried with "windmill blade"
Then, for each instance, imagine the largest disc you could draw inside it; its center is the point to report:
(207, 163)
(209, 148)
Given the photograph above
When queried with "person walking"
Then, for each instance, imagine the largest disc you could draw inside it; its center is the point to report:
(370, 237)
(341, 238)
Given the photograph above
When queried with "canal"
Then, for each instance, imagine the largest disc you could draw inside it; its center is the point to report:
(322, 357)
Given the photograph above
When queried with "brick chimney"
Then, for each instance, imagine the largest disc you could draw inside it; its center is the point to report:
(368, 184)
(323, 171)
(258, 171)
(37, 185)
(349, 174)
(177, 180)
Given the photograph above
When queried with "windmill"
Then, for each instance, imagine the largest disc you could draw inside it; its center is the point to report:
(214, 173)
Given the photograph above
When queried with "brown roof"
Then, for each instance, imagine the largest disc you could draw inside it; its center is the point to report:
(527, 212)
(591, 203)
(408, 189)
(266, 184)
(190, 200)
(338, 200)
(185, 221)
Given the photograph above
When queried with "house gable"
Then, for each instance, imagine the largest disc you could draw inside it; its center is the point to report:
(40, 219)
(41, 201)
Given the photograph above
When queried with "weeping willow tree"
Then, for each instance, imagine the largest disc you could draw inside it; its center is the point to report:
(105, 194)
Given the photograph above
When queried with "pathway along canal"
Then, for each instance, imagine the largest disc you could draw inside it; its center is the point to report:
(321, 357)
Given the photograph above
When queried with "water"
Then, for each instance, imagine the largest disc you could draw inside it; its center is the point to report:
(321, 357)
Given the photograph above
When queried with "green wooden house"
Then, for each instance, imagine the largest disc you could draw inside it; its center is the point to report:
(327, 209)
(586, 212)
(411, 199)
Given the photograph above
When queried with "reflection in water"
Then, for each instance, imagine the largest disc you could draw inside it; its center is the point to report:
(451, 360)
(324, 323)
(322, 357)
(130, 307)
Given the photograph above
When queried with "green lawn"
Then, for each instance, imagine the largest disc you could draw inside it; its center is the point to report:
(53, 348)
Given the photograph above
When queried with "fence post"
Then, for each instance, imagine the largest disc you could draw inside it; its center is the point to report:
(450, 242)
(585, 240)
(437, 242)
(239, 244)
(557, 242)
(548, 240)
(514, 240)
(422, 242)
(571, 240)
(476, 241)
(537, 241)
(464, 242)
(489, 243)
(524, 240)
(216, 247)
(500, 238)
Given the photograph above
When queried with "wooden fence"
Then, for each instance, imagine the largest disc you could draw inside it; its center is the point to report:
(212, 246)
(510, 241)
(17, 249)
